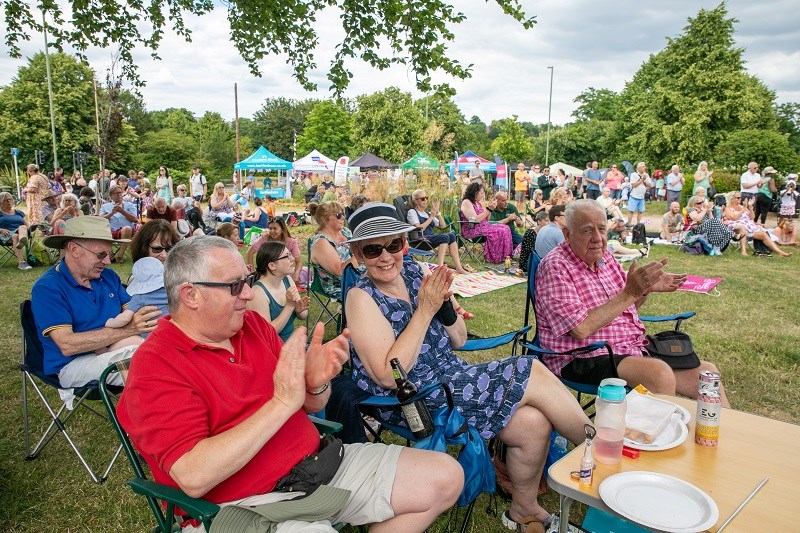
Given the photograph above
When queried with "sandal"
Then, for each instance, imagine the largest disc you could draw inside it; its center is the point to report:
(469, 269)
(529, 524)
(466, 315)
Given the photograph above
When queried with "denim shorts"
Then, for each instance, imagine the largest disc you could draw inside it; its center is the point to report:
(636, 205)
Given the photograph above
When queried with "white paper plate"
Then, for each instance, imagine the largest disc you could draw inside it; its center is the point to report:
(659, 502)
(686, 416)
(673, 434)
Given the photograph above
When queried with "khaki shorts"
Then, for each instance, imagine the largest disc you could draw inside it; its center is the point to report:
(367, 470)
(519, 196)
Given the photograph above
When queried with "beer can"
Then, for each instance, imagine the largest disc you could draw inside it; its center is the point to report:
(709, 409)
(708, 381)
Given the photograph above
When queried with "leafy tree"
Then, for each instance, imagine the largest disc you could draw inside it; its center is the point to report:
(413, 33)
(387, 124)
(512, 144)
(481, 144)
(767, 147)
(277, 122)
(685, 99)
(596, 104)
(216, 145)
(328, 129)
(450, 132)
(575, 143)
(789, 123)
(25, 115)
(173, 149)
(178, 119)
(135, 112)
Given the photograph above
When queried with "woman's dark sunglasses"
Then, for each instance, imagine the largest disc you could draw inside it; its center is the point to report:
(371, 251)
(339, 215)
(158, 249)
(234, 286)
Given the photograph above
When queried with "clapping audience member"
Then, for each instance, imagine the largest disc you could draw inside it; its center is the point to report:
(394, 311)
(258, 217)
(123, 219)
(278, 231)
(712, 234)
(13, 229)
(330, 251)
(275, 296)
(425, 220)
(505, 213)
(475, 223)
(672, 223)
(609, 203)
(703, 177)
(69, 208)
(574, 310)
(258, 429)
(742, 217)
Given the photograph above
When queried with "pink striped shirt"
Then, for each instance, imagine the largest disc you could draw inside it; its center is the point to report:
(566, 290)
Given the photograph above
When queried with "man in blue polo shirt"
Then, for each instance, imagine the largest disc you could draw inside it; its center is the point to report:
(72, 301)
(592, 178)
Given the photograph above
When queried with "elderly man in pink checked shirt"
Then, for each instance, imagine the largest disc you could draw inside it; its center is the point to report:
(584, 296)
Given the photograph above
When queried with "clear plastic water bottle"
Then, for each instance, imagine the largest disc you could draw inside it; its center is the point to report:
(610, 420)
(558, 447)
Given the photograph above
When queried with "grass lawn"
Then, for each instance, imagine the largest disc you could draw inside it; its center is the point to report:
(751, 331)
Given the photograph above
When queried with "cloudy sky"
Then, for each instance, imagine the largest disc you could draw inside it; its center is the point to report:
(589, 43)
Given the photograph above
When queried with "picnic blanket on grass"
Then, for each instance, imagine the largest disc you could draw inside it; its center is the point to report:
(467, 285)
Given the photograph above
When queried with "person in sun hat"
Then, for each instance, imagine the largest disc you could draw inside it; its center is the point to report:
(73, 299)
(146, 288)
(396, 311)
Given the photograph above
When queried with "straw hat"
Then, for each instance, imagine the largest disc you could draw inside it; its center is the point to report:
(374, 220)
(769, 170)
(86, 227)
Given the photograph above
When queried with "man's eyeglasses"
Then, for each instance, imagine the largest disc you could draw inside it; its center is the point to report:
(158, 249)
(371, 251)
(100, 255)
(234, 286)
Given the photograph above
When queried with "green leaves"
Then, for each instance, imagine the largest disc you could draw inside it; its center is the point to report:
(379, 32)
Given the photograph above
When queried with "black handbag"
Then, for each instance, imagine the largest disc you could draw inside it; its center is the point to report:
(674, 348)
(315, 469)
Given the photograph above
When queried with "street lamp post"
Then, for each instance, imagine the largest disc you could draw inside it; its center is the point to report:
(549, 109)
(50, 92)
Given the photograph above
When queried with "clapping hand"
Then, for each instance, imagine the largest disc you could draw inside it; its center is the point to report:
(301, 305)
(292, 295)
(289, 377)
(435, 289)
(323, 362)
(642, 280)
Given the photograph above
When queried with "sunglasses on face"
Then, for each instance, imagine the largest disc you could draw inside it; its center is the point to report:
(235, 287)
(100, 255)
(339, 216)
(158, 249)
(371, 251)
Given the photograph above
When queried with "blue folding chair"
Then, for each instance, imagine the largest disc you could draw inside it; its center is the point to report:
(535, 346)
(33, 375)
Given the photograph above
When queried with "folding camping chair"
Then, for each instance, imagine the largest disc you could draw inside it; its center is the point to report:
(31, 367)
(6, 253)
(418, 246)
(535, 346)
(329, 308)
(473, 248)
(157, 494)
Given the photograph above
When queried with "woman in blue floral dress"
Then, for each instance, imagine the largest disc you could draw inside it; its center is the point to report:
(394, 311)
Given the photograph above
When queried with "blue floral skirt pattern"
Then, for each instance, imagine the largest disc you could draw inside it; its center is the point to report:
(486, 394)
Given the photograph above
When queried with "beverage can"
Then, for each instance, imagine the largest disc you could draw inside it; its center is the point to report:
(708, 381)
(508, 263)
(709, 409)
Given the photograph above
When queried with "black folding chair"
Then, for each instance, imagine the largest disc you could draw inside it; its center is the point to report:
(33, 375)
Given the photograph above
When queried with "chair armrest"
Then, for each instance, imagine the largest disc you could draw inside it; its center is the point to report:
(391, 401)
(493, 342)
(195, 507)
(667, 318)
(326, 427)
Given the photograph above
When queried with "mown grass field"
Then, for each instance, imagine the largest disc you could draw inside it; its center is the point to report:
(751, 331)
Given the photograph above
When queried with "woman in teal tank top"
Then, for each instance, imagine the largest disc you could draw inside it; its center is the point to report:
(275, 296)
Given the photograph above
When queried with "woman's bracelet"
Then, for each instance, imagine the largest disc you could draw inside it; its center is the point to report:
(320, 391)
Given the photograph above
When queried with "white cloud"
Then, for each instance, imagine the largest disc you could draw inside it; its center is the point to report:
(599, 44)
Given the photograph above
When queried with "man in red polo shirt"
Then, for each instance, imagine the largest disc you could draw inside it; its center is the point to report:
(217, 405)
(584, 296)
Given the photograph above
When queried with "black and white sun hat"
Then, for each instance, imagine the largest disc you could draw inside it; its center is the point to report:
(374, 220)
